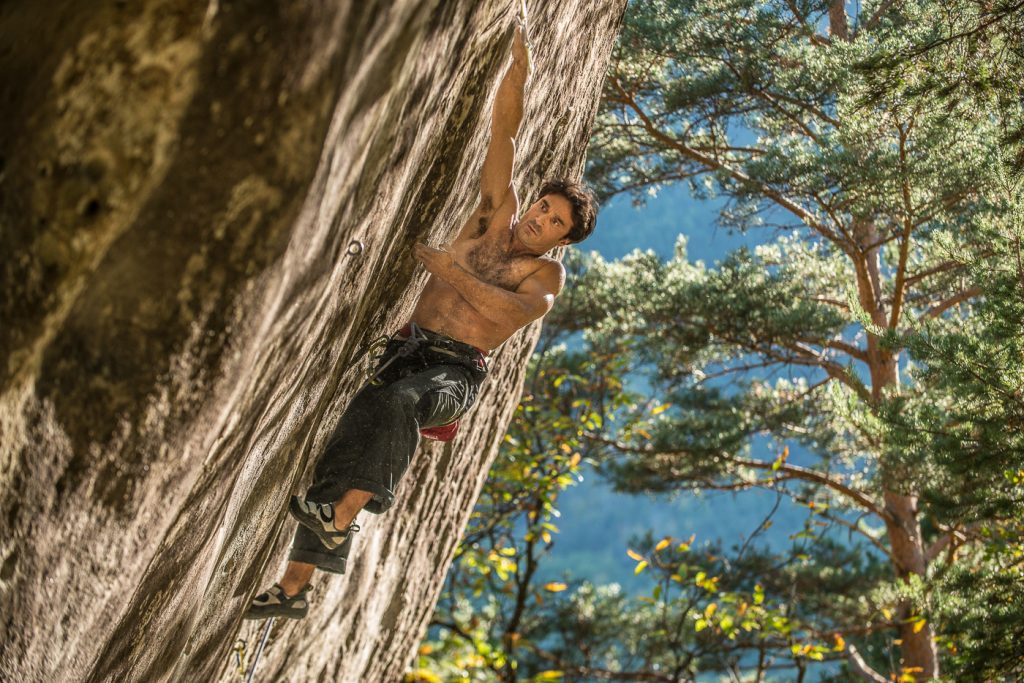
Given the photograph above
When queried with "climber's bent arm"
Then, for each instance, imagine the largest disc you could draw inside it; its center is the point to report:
(530, 301)
(498, 198)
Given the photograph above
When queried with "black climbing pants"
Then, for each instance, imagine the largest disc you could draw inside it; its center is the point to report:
(434, 384)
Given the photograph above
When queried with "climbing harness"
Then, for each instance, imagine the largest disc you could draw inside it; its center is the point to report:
(410, 345)
(415, 340)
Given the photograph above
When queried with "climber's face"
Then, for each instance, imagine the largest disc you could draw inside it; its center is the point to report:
(545, 224)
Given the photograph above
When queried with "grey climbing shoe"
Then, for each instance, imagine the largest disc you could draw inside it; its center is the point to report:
(319, 518)
(273, 602)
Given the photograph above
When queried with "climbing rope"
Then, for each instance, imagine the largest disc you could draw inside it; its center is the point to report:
(259, 650)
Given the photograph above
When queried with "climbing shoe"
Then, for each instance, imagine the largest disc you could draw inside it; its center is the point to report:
(319, 518)
(273, 602)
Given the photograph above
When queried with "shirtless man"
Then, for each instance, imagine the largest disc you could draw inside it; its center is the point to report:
(492, 280)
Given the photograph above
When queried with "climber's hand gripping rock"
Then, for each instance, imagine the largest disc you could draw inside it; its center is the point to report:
(520, 45)
(437, 261)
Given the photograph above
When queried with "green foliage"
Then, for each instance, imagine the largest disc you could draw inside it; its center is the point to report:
(486, 618)
(969, 55)
(968, 447)
(692, 609)
(898, 347)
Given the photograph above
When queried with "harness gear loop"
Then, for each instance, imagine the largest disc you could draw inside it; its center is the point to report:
(409, 346)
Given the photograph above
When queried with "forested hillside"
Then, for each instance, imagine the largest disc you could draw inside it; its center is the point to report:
(874, 149)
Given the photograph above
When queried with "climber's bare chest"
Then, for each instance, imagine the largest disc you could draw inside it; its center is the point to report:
(487, 258)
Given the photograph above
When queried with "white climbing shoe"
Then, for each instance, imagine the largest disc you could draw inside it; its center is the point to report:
(274, 602)
(319, 518)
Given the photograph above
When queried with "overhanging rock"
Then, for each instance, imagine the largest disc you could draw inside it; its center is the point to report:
(204, 211)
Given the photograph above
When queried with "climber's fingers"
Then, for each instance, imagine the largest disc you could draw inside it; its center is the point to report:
(521, 48)
(437, 261)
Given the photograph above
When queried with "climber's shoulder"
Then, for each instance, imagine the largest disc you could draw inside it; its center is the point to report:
(491, 212)
(546, 274)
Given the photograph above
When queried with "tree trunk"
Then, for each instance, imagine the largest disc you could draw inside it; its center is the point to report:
(204, 211)
(903, 526)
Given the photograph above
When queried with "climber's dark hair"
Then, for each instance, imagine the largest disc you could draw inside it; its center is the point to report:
(584, 206)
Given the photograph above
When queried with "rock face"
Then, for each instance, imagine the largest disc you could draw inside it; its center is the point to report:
(204, 211)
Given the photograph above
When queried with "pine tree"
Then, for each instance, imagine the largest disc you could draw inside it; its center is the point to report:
(879, 200)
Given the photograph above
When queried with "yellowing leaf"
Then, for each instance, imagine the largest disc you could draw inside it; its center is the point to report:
(421, 676)
(635, 555)
(781, 459)
(886, 613)
(709, 611)
(918, 625)
(661, 409)
(640, 567)
(566, 448)
(546, 536)
(664, 543)
(840, 643)
(555, 586)
(548, 676)
(575, 460)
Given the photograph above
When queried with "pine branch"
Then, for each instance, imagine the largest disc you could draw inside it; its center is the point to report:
(814, 476)
(908, 228)
(782, 469)
(715, 164)
(837, 345)
(815, 37)
(862, 669)
(934, 270)
(876, 17)
(806, 107)
(952, 538)
(808, 358)
(995, 18)
(943, 306)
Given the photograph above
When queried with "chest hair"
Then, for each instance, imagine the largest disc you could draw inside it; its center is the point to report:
(492, 265)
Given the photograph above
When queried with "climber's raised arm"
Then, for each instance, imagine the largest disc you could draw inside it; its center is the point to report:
(498, 200)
